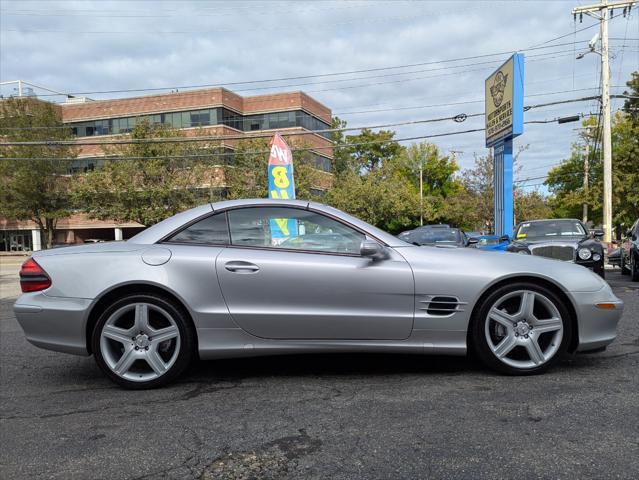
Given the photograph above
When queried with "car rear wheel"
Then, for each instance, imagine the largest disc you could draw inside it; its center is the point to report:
(143, 341)
(521, 329)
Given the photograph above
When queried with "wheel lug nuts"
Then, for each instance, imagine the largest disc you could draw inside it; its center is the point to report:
(146, 348)
(526, 335)
(137, 348)
(516, 334)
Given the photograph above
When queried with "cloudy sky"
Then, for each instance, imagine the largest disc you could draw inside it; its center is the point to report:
(445, 50)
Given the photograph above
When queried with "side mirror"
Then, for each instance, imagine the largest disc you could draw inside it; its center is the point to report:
(504, 238)
(629, 233)
(598, 234)
(472, 241)
(370, 248)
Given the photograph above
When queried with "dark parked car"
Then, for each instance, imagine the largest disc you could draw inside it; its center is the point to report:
(629, 260)
(562, 239)
(436, 235)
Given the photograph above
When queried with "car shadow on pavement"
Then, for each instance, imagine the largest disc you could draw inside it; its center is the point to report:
(334, 365)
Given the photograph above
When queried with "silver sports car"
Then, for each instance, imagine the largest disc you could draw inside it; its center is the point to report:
(264, 277)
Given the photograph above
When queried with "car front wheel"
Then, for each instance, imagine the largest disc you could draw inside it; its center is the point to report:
(143, 341)
(634, 268)
(521, 329)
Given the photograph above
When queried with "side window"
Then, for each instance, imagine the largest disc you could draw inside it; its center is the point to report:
(212, 230)
(292, 228)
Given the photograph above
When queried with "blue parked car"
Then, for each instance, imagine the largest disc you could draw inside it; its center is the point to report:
(492, 242)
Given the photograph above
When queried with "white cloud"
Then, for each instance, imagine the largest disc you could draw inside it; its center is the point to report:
(218, 42)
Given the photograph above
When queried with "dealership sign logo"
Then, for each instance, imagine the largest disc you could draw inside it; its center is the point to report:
(498, 87)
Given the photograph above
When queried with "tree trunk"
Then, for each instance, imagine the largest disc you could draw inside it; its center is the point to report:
(50, 231)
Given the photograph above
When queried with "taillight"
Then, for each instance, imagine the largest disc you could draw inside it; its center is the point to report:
(33, 278)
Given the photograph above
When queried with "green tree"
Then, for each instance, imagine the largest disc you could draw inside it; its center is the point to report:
(369, 150)
(531, 205)
(34, 180)
(152, 181)
(631, 105)
(382, 197)
(566, 180)
(341, 156)
(439, 183)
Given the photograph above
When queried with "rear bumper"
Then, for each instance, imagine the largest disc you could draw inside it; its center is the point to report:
(597, 327)
(53, 323)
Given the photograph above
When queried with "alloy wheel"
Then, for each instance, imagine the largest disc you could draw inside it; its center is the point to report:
(524, 329)
(140, 342)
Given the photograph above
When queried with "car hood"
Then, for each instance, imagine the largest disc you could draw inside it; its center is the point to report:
(484, 267)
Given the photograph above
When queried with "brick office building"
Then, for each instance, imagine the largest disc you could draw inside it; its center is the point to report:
(212, 112)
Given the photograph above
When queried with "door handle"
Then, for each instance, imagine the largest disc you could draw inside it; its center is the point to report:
(241, 267)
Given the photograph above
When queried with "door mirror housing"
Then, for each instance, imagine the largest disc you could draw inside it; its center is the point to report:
(598, 234)
(472, 241)
(372, 249)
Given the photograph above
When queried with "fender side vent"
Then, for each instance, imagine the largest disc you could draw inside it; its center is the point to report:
(441, 306)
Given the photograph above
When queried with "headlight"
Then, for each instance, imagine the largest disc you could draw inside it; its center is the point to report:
(596, 257)
(584, 253)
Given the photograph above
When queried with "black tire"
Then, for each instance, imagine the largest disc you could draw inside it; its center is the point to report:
(634, 268)
(187, 338)
(478, 326)
(602, 271)
(622, 264)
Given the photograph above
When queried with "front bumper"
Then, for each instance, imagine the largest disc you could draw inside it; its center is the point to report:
(597, 327)
(53, 323)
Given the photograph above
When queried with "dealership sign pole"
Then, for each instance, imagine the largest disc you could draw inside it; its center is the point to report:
(504, 102)
(281, 184)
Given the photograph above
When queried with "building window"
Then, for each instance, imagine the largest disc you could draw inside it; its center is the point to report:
(204, 117)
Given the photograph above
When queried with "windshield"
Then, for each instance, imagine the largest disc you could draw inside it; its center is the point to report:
(436, 236)
(487, 241)
(559, 228)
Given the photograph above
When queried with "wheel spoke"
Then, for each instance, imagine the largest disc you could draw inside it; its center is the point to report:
(118, 334)
(142, 317)
(550, 325)
(527, 305)
(124, 363)
(154, 360)
(505, 346)
(534, 351)
(159, 336)
(502, 317)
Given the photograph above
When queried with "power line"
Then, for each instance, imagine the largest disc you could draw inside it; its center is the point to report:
(321, 75)
(208, 155)
(459, 118)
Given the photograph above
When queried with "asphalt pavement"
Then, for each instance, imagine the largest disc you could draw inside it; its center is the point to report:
(321, 416)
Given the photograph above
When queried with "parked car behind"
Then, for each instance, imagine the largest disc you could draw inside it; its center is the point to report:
(629, 260)
(436, 235)
(564, 239)
(493, 242)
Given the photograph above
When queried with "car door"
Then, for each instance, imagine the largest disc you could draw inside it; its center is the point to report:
(311, 282)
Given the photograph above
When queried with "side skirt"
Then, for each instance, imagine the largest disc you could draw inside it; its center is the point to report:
(235, 343)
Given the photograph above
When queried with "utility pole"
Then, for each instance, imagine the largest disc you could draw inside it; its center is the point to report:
(421, 192)
(602, 12)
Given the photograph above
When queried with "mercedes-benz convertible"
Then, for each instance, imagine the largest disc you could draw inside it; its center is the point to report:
(264, 277)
